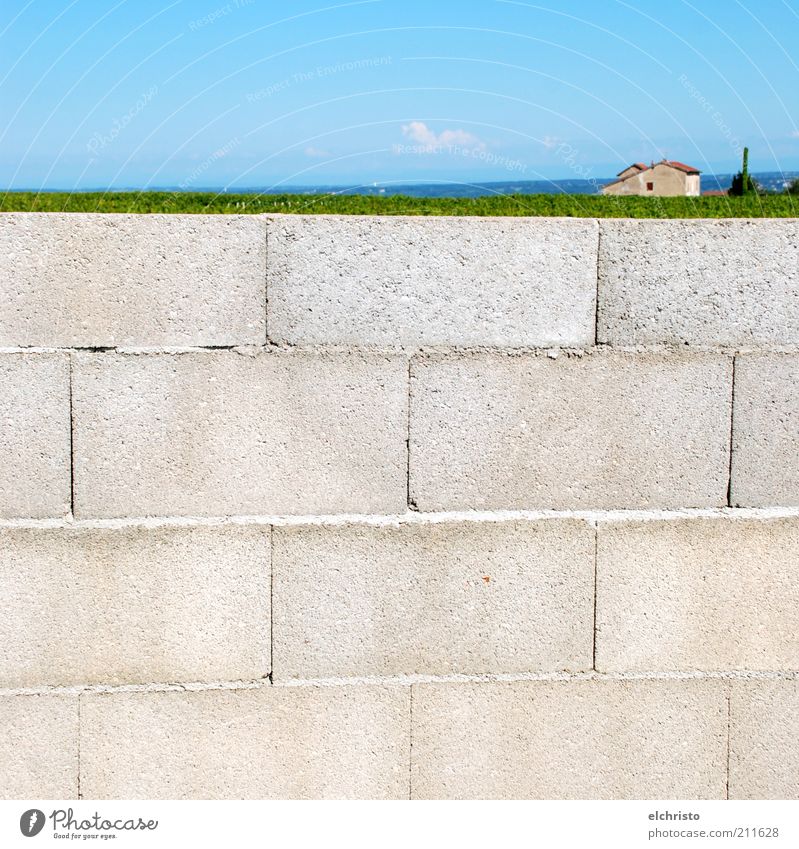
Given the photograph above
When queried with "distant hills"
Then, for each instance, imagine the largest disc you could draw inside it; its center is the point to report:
(773, 181)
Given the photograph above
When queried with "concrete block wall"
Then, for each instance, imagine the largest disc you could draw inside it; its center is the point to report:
(305, 507)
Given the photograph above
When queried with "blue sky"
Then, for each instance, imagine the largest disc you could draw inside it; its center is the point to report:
(197, 93)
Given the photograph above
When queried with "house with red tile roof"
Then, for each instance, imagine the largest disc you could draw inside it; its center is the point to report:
(667, 178)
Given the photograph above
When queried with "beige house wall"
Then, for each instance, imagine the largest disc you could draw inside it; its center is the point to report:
(668, 182)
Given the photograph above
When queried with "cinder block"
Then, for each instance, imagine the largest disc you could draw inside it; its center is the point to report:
(570, 740)
(699, 282)
(221, 433)
(765, 454)
(39, 747)
(268, 743)
(34, 435)
(78, 280)
(601, 430)
(432, 281)
(133, 605)
(462, 597)
(698, 594)
(764, 728)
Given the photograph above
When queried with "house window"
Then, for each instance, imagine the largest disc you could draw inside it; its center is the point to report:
(650, 187)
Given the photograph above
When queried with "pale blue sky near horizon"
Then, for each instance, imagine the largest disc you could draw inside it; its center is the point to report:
(244, 93)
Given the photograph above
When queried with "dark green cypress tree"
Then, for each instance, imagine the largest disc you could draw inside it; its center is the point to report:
(742, 183)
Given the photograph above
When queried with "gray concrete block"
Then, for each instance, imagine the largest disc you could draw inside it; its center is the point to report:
(601, 430)
(133, 605)
(462, 597)
(570, 740)
(698, 594)
(86, 280)
(698, 282)
(764, 728)
(432, 281)
(765, 455)
(269, 743)
(39, 747)
(34, 436)
(221, 433)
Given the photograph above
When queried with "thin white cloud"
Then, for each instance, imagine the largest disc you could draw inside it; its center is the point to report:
(550, 142)
(795, 134)
(419, 132)
(317, 153)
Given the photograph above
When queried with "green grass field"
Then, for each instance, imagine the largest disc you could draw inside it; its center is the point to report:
(588, 206)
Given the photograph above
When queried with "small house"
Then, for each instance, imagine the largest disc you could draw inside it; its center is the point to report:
(666, 178)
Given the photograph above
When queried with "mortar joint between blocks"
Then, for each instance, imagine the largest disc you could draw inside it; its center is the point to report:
(80, 794)
(596, 590)
(729, 734)
(266, 284)
(732, 432)
(410, 742)
(271, 603)
(409, 501)
(596, 304)
(71, 439)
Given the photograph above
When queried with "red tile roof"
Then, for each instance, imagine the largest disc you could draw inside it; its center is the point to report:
(672, 163)
(680, 166)
(639, 165)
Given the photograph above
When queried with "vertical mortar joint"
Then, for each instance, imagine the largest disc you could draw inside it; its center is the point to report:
(729, 734)
(596, 304)
(80, 794)
(271, 675)
(410, 743)
(732, 433)
(71, 442)
(409, 500)
(596, 584)
(266, 281)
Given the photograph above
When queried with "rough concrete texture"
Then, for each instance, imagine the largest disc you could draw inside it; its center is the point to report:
(765, 459)
(463, 597)
(764, 728)
(601, 430)
(34, 435)
(432, 281)
(698, 594)
(39, 747)
(570, 740)
(269, 743)
(133, 605)
(220, 433)
(85, 280)
(732, 282)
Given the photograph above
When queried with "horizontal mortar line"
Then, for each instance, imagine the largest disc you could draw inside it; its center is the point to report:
(510, 677)
(412, 518)
(241, 347)
(410, 350)
(161, 687)
(403, 681)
